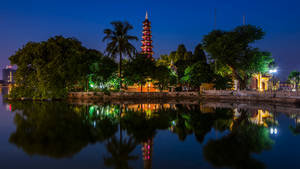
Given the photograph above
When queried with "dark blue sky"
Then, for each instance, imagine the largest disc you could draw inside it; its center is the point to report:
(173, 22)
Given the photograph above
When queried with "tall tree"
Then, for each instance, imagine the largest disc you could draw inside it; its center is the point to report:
(197, 74)
(199, 54)
(50, 68)
(181, 51)
(163, 77)
(119, 42)
(233, 49)
(139, 69)
(102, 70)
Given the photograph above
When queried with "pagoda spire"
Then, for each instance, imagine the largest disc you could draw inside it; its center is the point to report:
(146, 17)
(147, 38)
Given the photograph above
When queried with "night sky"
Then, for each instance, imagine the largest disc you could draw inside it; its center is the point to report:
(173, 23)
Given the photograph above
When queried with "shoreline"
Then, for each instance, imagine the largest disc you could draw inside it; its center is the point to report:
(292, 98)
(214, 95)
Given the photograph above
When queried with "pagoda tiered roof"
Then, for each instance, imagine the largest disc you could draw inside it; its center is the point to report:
(147, 38)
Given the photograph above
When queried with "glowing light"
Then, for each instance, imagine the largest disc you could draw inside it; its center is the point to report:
(273, 71)
(274, 131)
(91, 110)
(173, 123)
(271, 131)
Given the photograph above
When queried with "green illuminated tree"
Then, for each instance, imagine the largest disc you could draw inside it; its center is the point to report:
(119, 42)
(233, 49)
(139, 69)
(163, 77)
(197, 74)
(49, 69)
(102, 70)
(181, 59)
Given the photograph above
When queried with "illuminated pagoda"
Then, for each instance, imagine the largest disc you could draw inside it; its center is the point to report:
(147, 50)
(147, 38)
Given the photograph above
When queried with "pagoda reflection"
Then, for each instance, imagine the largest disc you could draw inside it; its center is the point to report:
(147, 150)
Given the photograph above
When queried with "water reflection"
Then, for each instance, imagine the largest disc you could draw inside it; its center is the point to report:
(4, 91)
(248, 135)
(120, 152)
(60, 130)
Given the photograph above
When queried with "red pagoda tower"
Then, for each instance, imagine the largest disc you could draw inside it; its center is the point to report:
(147, 38)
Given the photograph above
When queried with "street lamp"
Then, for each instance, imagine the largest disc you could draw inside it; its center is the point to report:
(273, 71)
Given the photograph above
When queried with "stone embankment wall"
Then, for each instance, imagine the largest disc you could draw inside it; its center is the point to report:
(276, 97)
(133, 95)
(267, 96)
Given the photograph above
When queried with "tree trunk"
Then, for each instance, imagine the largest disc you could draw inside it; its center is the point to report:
(141, 88)
(120, 70)
(242, 83)
(87, 85)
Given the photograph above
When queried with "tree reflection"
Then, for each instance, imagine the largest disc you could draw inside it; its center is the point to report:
(192, 120)
(235, 149)
(120, 151)
(143, 128)
(295, 129)
(57, 129)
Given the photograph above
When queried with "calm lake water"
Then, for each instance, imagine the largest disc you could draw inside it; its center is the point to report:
(57, 135)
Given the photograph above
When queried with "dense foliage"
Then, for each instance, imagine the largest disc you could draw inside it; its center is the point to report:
(233, 49)
(294, 78)
(119, 42)
(52, 68)
(140, 69)
(193, 69)
(49, 69)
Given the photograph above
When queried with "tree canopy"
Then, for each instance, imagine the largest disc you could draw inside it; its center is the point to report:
(233, 49)
(140, 69)
(50, 68)
(119, 42)
(294, 78)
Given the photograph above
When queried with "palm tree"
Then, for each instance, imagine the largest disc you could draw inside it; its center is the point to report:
(119, 42)
(120, 153)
